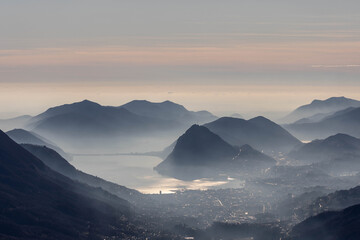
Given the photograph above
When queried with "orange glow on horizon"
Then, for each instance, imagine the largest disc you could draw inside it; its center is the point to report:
(294, 55)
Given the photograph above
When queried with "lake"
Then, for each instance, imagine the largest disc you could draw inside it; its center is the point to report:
(137, 172)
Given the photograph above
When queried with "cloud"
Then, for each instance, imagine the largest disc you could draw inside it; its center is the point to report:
(337, 66)
(241, 56)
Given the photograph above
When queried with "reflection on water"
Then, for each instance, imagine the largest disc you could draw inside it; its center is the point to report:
(137, 172)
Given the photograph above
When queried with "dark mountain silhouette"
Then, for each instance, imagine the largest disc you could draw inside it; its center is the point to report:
(53, 160)
(168, 111)
(344, 121)
(335, 201)
(259, 132)
(339, 146)
(327, 106)
(313, 203)
(88, 119)
(22, 136)
(342, 225)
(38, 203)
(199, 148)
(17, 122)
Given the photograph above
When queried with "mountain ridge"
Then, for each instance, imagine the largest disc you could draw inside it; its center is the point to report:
(39, 203)
(199, 153)
(258, 132)
(326, 106)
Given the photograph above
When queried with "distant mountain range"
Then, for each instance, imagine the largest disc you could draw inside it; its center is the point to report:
(259, 132)
(319, 108)
(340, 147)
(11, 123)
(199, 153)
(39, 203)
(22, 136)
(88, 119)
(344, 121)
(168, 111)
(54, 161)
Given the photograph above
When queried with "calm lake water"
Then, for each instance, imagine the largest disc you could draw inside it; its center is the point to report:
(137, 172)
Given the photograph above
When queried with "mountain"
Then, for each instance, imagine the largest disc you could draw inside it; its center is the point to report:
(22, 136)
(38, 203)
(88, 119)
(340, 147)
(200, 152)
(200, 146)
(259, 132)
(341, 225)
(54, 161)
(17, 122)
(314, 118)
(335, 201)
(345, 121)
(168, 111)
(249, 157)
(327, 106)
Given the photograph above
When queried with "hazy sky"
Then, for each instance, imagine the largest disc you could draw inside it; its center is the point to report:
(225, 56)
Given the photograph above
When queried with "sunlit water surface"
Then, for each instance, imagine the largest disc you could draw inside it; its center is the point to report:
(137, 172)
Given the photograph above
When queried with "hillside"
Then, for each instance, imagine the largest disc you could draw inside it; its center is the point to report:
(259, 132)
(38, 203)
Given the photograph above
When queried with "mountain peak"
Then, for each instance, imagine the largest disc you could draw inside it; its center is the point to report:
(333, 100)
(259, 132)
(168, 111)
(87, 102)
(198, 128)
(260, 119)
(342, 138)
(333, 147)
(198, 145)
(169, 102)
(316, 107)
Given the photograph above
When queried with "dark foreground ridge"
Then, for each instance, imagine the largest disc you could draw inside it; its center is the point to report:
(38, 203)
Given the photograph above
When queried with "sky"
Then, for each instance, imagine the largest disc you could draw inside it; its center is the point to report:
(249, 57)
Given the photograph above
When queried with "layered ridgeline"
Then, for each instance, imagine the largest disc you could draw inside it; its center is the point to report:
(259, 132)
(89, 119)
(57, 163)
(344, 121)
(22, 136)
(11, 123)
(138, 118)
(39, 203)
(201, 153)
(319, 109)
(340, 147)
(168, 111)
(335, 201)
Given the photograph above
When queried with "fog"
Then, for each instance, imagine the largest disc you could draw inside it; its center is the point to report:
(197, 177)
(137, 172)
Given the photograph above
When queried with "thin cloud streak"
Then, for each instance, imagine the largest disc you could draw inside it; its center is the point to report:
(278, 55)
